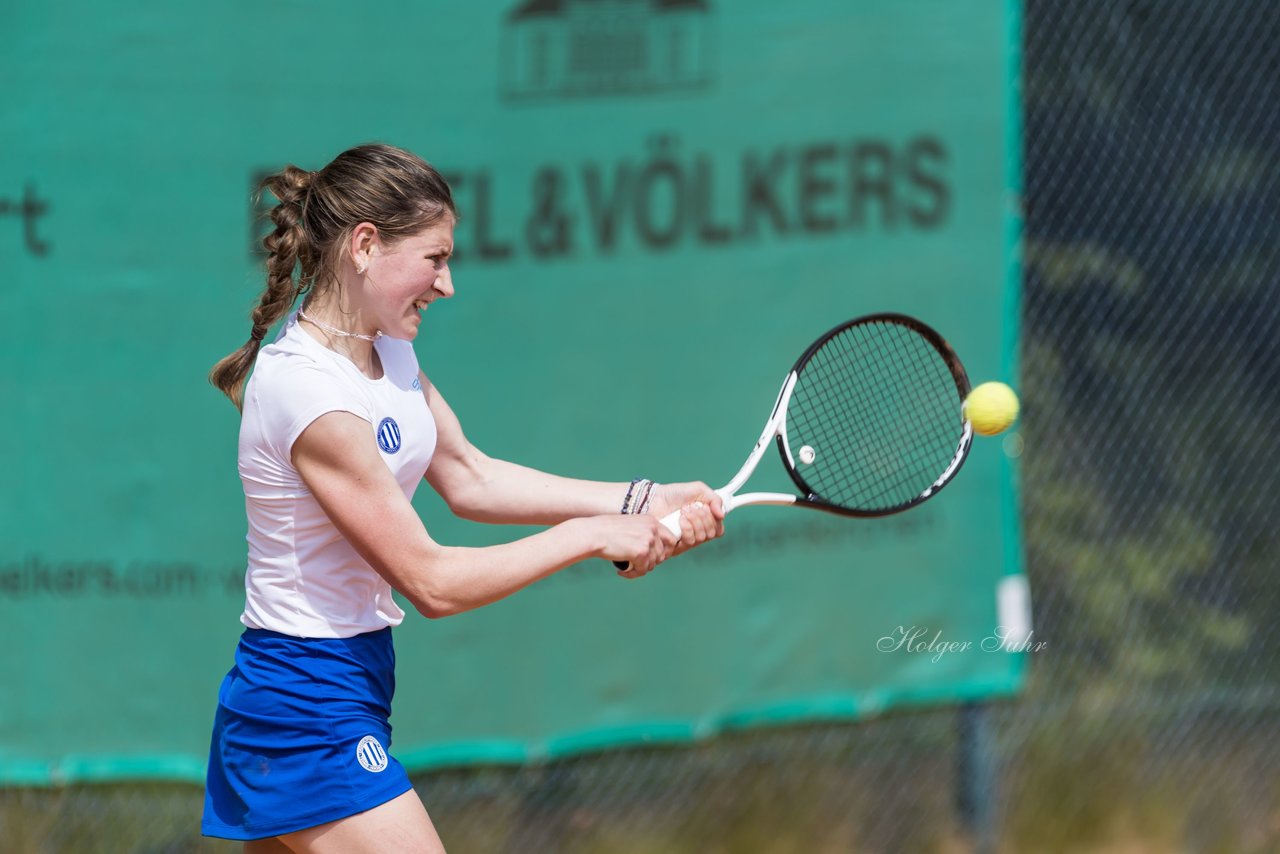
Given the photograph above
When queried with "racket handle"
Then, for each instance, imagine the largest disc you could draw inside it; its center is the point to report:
(671, 522)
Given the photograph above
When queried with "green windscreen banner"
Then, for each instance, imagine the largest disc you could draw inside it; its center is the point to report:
(662, 204)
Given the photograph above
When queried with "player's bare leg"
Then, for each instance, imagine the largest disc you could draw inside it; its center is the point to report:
(400, 826)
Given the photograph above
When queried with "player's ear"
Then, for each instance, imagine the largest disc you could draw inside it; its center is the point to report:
(364, 243)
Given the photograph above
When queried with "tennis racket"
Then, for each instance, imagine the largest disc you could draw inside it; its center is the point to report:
(869, 422)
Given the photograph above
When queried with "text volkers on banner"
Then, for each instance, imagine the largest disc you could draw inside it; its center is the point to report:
(668, 198)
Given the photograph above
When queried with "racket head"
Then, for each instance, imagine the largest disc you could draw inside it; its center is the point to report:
(874, 423)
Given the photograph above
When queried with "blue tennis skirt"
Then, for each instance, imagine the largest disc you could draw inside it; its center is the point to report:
(301, 734)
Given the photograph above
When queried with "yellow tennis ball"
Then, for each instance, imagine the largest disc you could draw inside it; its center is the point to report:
(991, 408)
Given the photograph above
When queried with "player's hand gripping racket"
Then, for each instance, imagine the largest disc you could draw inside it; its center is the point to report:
(869, 422)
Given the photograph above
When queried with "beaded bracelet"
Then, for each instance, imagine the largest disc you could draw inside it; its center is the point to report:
(633, 493)
(639, 496)
(646, 497)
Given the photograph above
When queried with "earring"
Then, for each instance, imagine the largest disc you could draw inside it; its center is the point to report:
(360, 268)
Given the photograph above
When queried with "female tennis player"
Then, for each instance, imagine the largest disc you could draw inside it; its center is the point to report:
(338, 426)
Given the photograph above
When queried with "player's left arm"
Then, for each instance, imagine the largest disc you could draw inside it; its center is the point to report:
(484, 489)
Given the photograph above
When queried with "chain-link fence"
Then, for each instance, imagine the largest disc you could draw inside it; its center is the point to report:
(1148, 359)
(1149, 352)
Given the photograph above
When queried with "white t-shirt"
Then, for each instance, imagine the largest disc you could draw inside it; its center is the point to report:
(304, 578)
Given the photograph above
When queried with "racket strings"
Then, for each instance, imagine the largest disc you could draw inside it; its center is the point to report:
(828, 429)
(921, 459)
(902, 465)
(891, 475)
(880, 407)
(937, 386)
(868, 487)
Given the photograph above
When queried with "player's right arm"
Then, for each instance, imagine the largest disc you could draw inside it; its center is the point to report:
(337, 460)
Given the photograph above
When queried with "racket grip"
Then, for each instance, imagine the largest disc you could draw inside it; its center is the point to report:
(671, 522)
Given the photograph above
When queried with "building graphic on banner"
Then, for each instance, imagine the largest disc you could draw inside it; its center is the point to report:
(564, 48)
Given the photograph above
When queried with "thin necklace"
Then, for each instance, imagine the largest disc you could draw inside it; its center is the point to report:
(335, 331)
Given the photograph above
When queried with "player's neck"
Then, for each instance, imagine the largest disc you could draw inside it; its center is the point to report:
(326, 323)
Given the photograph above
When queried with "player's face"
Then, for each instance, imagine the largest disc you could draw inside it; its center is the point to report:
(403, 278)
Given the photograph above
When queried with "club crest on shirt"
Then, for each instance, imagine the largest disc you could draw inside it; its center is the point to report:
(389, 435)
(370, 755)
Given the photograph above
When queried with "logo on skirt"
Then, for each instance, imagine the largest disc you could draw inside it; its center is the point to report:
(371, 755)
